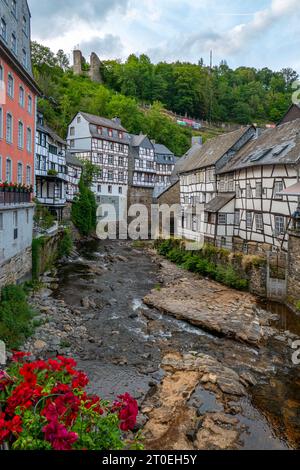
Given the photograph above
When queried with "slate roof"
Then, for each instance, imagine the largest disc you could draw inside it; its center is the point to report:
(72, 160)
(201, 156)
(161, 149)
(219, 201)
(47, 130)
(137, 140)
(101, 121)
(280, 145)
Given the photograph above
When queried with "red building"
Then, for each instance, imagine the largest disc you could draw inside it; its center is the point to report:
(18, 100)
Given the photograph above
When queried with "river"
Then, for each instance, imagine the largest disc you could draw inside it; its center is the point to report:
(130, 340)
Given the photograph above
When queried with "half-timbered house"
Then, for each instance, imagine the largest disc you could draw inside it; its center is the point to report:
(105, 143)
(50, 169)
(74, 171)
(198, 186)
(258, 174)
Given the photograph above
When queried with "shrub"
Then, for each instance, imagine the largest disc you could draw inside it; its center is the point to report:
(84, 210)
(65, 245)
(202, 262)
(45, 407)
(15, 316)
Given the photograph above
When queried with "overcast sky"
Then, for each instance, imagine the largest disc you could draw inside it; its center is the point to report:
(253, 33)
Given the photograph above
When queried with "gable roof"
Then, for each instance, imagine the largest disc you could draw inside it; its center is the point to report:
(161, 149)
(137, 140)
(218, 202)
(72, 160)
(209, 153)
(280, 145)
(47, 130)
(101, 121)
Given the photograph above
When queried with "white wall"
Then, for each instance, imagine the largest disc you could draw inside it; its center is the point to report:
(8, 246)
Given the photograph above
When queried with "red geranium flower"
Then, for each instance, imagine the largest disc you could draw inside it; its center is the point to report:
(19, 356)
(128, 411)
(80, 380)
(59, 437)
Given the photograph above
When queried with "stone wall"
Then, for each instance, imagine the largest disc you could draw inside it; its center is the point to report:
(17, 269)
(44, 250)
(170, 196)
(293, 280)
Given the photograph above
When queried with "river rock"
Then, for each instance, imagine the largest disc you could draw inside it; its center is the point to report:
(40, 345)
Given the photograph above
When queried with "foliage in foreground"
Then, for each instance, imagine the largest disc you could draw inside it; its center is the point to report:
(200, 262)
(45, 407)
(15, 316)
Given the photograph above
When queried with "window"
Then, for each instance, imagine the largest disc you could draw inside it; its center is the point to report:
(72, 130)
(278, 187)
(14, 7)
(110, 189)
(28, 175)
(78, 119)
(72, 143)
(1, 73)
(1, 221)
(110, 132)
(29, 140)
(1, 123)
(110, 175)
(259, 222)
(3, 29)
(24, 58)
(99, 130)
(15, 219)
(0, 168)
(99, 188)
(121, 161)
(120, 135)
(121, 175)
(258, 190)
(237, 217)
(120, 190)
(24, 25)
(10, 86)
(20, 173)
(249, 220)
(279, 225)
(9, 128)
(21, 97)
(42, 139)
(20, 135)
(14, 43)
(110, 160)
(8, 170)
(223, 242)
(29, 104)
(27, 216)
(222, 219)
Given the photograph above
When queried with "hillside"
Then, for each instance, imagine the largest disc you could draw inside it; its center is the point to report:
(139, 92)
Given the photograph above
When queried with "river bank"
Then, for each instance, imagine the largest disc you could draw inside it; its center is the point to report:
(216, 390)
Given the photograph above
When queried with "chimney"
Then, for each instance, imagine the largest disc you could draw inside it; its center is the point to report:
(117, 120)
(197, 140)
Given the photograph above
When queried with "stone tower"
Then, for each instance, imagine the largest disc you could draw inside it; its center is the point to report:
(77, 62)
(95, 64)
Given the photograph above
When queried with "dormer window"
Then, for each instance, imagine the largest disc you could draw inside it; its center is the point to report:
(14, 43)
(3, 29)
(110, 132)
(99, 130)
(14, 7)
(120, 135)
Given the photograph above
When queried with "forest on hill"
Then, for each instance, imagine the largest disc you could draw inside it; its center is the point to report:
(219, 94)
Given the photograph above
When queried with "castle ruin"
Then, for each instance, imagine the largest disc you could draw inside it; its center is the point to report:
(94, 66)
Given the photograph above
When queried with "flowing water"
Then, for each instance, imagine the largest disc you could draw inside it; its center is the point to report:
(130, 340)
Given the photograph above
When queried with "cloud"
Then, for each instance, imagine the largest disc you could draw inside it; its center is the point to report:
(230, 42)
(105, 47)
(55, 17)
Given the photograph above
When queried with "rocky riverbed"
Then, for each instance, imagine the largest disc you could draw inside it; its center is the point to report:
(210, 367)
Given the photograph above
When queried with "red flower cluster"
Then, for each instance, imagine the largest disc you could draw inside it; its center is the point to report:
(54, 391)
(128, 411)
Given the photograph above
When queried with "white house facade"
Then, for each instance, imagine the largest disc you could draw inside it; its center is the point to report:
(105, 143)
(50, 169)
(198, 186)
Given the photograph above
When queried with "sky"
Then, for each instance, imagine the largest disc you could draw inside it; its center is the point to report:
(256, 33)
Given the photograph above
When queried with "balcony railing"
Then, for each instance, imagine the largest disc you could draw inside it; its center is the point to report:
(14, 197)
